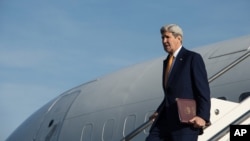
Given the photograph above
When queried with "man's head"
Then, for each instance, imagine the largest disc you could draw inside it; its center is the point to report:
(171, 37)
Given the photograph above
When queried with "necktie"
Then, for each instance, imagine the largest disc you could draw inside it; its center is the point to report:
(169, 64)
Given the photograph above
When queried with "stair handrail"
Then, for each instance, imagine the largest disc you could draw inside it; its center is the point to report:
(137, 130)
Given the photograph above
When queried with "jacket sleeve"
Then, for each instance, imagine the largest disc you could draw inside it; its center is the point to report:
(161, 106)
(201, 87)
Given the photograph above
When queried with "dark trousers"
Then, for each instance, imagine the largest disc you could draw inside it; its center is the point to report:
(157, 134)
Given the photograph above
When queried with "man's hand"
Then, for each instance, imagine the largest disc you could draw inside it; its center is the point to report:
(198, 122)
(153, 116)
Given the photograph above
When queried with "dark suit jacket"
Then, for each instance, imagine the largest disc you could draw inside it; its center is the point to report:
(188, 79)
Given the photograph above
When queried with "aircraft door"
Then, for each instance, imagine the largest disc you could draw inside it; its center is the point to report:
(53, 120)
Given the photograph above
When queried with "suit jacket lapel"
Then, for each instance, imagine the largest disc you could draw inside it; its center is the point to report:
(164, 72)
(177, 65)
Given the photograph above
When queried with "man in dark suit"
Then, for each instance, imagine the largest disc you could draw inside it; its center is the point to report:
(184, 76)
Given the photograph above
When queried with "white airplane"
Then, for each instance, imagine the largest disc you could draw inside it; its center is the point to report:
(112, 107)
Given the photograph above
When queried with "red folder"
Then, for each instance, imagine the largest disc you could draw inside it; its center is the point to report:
(186, 109)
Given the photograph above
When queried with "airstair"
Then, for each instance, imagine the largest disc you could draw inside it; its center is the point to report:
(223, 114)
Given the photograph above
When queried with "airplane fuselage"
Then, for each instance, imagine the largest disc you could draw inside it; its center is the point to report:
(111, 107)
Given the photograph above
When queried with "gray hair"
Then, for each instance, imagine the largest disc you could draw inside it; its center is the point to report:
(173, 28)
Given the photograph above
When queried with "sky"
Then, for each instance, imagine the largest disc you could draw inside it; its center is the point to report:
(50, 46)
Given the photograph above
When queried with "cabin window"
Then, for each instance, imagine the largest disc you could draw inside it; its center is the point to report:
(87, 132)
(129, 124)
(148, 114)
(108, 130)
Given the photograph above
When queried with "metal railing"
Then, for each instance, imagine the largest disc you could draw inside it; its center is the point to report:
(225, 130)
(227, 68)
(137, 130)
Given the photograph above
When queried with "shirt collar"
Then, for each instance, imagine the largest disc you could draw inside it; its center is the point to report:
(177, 51)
